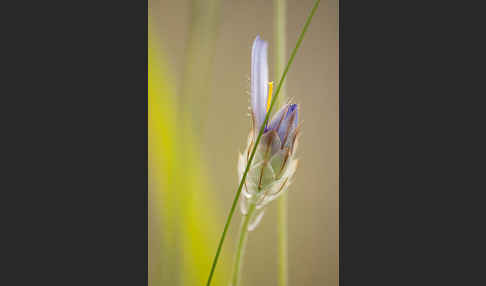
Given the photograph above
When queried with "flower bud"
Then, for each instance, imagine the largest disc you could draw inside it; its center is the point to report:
(273, 165)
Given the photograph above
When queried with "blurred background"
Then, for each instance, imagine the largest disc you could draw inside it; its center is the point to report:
(199, 70)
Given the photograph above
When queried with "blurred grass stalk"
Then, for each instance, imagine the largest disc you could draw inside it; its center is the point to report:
(280, 21)
(193, 99)
(182, 229)
(161, 167)
(198, 66)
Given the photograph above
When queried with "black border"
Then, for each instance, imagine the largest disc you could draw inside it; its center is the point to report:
(409, 139)
(77, 155)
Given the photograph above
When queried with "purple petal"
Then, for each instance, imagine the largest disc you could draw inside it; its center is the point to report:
(277, 118)
(288, 125)
(259, 80)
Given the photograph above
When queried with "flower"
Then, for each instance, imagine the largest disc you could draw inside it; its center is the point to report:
(284, 122)
(273, 166)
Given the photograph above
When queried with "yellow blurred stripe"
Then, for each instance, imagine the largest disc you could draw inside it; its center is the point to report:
(180, 198)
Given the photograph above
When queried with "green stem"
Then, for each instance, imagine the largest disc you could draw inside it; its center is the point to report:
(280, 11)
(280, 20)
(240, 249)
(245, 173)
(282, 241)
(195, 87)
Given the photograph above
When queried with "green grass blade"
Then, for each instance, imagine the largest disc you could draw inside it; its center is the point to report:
(274, 98)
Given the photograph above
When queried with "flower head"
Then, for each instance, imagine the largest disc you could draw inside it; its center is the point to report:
(273, 166)
(284, 122)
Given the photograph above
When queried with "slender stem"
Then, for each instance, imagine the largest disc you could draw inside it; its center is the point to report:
(282, 241)
(240, 249)
(280, 12)
(279, 25)
(245, 173)
(195, 88)
(193, 94)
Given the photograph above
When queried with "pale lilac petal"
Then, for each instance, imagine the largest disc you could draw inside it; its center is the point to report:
(259, 80)
(288, 125)
(277, 118)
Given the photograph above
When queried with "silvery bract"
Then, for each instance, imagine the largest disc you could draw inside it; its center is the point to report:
(273, 166)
